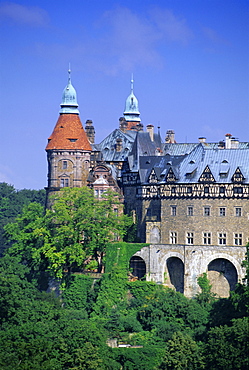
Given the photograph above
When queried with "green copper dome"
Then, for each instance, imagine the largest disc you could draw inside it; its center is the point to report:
(69, 98)
(131, 112)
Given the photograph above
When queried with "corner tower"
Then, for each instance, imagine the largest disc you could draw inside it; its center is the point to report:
(68, 149)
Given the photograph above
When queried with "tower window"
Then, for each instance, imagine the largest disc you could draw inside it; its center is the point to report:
(64, 183)
(173, 210)
(64, 165)
(190, 211)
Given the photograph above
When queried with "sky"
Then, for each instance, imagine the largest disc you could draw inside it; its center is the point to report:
(189, 59)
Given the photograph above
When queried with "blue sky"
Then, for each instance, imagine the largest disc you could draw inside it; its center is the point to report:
(190, 60)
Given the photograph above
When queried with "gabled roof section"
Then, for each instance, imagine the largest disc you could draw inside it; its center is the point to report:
(206, 175)
(170, 176)
(68, 134)
(238, 175)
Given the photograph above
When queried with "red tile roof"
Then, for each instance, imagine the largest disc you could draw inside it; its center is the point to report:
(68, 134)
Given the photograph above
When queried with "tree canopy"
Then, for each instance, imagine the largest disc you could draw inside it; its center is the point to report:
(71, 234)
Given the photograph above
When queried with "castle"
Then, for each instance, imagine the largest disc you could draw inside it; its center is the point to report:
(190, 201)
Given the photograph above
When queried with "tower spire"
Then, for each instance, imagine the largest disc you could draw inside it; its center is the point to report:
(69, 98)
(131, 112)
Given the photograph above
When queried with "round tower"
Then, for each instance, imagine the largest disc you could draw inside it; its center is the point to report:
(68, 149)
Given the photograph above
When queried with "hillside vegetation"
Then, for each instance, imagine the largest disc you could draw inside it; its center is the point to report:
(104, 321)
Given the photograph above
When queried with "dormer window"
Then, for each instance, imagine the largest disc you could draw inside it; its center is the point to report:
(72, 140)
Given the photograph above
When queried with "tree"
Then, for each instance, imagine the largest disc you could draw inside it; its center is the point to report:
(227, 346)
(11, 204)
(75, 230)
(182, 353)
(206, 297)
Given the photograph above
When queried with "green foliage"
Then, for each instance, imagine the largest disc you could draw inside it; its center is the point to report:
(11, 204)
(182, 353)
(138, 358)
(206, 297)
(181, 313)
(75, 230)
(112, 292)
(120, 254)
(80, 293)
(227, 347)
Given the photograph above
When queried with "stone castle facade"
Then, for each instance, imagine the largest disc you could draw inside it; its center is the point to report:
(190, 201)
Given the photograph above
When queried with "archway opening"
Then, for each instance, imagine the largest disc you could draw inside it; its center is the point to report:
(137, 267)
(175, 269)
(223, 276)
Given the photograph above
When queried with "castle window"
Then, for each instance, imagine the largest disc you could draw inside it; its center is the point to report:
(173, 190)
(206, 211)
(173, 237)
(64, 183)
(222, 211)
(206, 238)
(190, 211)
(222, 238)
(72, 140)
(237, 190)
(173, 210)
(189, 238)
(237, 239)
(238, 211)
(64, 165)
(222, 189)
(206, 190)
(189, 189)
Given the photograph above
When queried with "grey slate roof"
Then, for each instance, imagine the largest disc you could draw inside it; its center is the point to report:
(188, 161)
(107, 146)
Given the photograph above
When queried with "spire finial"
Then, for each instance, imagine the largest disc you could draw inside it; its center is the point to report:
(69, 73)
(132, 82)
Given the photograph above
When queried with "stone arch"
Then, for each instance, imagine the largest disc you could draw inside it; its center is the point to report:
(155, 235)
(173, 271)
(138, 266)
(223, 276)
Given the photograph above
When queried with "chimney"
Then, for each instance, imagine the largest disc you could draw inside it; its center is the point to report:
(228, 141)
(122, 124)
(119, 145)
(170, 137)
(202, 139)
(234, 143)
(150, 130)
(90, 132)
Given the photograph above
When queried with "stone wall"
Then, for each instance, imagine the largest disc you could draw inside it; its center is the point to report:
(179, 266)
